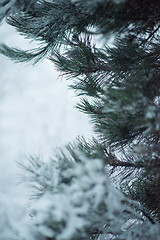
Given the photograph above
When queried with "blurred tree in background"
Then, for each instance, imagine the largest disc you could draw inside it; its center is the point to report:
(108, 187)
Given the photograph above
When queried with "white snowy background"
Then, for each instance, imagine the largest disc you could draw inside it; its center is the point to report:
(37, 114)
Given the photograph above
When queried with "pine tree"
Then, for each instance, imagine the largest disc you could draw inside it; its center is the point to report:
(109, 50)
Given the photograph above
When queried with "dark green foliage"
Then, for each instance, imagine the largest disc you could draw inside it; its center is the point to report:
(53, 21)
(24, 56)
(122, 107)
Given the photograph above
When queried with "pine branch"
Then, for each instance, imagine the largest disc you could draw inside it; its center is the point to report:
(18, 55)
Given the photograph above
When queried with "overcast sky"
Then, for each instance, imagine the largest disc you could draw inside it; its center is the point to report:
(37, 113)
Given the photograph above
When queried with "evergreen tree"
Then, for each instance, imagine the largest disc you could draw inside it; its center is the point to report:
(108, 187)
